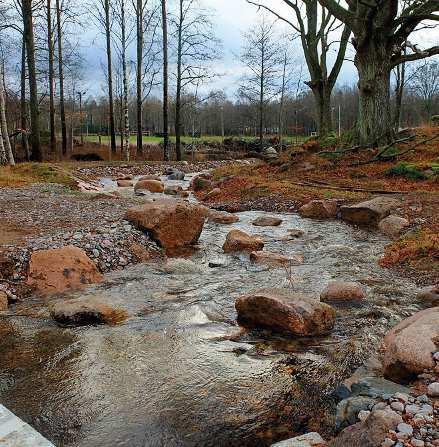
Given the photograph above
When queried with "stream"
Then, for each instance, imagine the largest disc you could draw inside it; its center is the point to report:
(178, 371)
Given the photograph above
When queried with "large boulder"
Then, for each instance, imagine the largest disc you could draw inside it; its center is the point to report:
(269, 153)
(153, 186)
(174, 224)
(124, 183)
(348, 409)
(285, 311)
(369, 213)
(267, 221)
(319, 209)
(237, 240)
(307, 440)
(342, 291)
(393, 226)
(407, 349)
(60, 270)
(221, 217)
(173, 190)
(369, 433)
(85, 311)
(176, 175)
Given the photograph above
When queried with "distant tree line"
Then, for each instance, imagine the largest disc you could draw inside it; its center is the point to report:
(160, 57)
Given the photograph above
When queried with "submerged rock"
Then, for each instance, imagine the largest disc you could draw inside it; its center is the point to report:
(85, 311)
(369, 213)
(269, 258)
(173, 190)
(307, 440)
(393, 226)
(237, 241)
(267, 221)
(174, 224)
(342, 291)
(181, 266)
(407, 348)
(319, 209)
(176, 175)
(285, 311)
(221, 217)
(62, 269)
(153, 186)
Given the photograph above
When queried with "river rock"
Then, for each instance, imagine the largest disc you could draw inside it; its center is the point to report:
(369, 213)
(348, 409)
(307, 440)
(285, 311)
(342, 291)
(3, 301)
(200, 183)
(369, 433)
(429, 296)
(433, 389)
(221, 217)
(407, 348)
(125, 177)
(173, 190)
(85, 311)
(174, 224)
(176, 175)
(270, 153)
(319, 209)
(214, 193)
(153, 186)
(237, 241)
(267, 221)
(274, 259)
(61, 269)
(378, 387)
(150, 177)
(124, 183)
(393, 226)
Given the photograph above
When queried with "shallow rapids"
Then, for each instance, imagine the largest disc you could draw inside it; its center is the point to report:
(179, 372)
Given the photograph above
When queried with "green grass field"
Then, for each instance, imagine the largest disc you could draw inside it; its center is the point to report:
(187, 140)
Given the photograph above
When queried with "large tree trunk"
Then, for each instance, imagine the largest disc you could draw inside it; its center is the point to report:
(165, 83)
(179, 80)
(23, 105)
(139, 19)
(3, 122)
(375, 122)
(28, 31)
(261, 99)
(111, 119)
(51, 79)
(61, 79)
(322, 99)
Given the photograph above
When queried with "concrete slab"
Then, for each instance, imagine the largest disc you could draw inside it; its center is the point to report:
(16, 433)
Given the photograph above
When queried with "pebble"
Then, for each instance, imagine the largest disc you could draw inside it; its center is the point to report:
(397, 406)
(401, 396)
(363, 415)
(405, 428)
(417, 442)
(433, 389)
(388, 443)
(412, 409)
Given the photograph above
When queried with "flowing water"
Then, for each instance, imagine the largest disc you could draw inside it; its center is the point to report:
(178, 371)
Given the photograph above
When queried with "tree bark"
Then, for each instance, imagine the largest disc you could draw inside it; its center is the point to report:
(125, 84)
(139, 21)
(281, 105)
(51, 73)
(111, 119)
(178, 93)
(4, 123)
(261, 99)
(23, 105)
(28, 31)
(322, 100)
(375, 124)
(61, 79)
(165, 83)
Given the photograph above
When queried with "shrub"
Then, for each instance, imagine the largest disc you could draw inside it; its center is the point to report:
(408, 171)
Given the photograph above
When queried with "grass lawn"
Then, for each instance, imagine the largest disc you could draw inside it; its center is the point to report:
(185, 139)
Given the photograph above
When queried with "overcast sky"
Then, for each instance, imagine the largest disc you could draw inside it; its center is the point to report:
(231, 18)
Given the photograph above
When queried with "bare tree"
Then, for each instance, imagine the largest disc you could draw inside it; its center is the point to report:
(165, 82)
(425, 82)
(263, 58)
(196, 46)
(51, 76)
(6, 153)
(28, 32)
(318, 32)
(61, 77)
(381, 30)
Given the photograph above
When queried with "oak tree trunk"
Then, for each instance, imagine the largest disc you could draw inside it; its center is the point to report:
(28, 31)
(51, 73)
(23, 105)
(179, 80)
(165, 83)
(139, 20)
(375, 124)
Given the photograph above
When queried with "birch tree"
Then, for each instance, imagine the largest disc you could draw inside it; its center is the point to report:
(5, 145)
